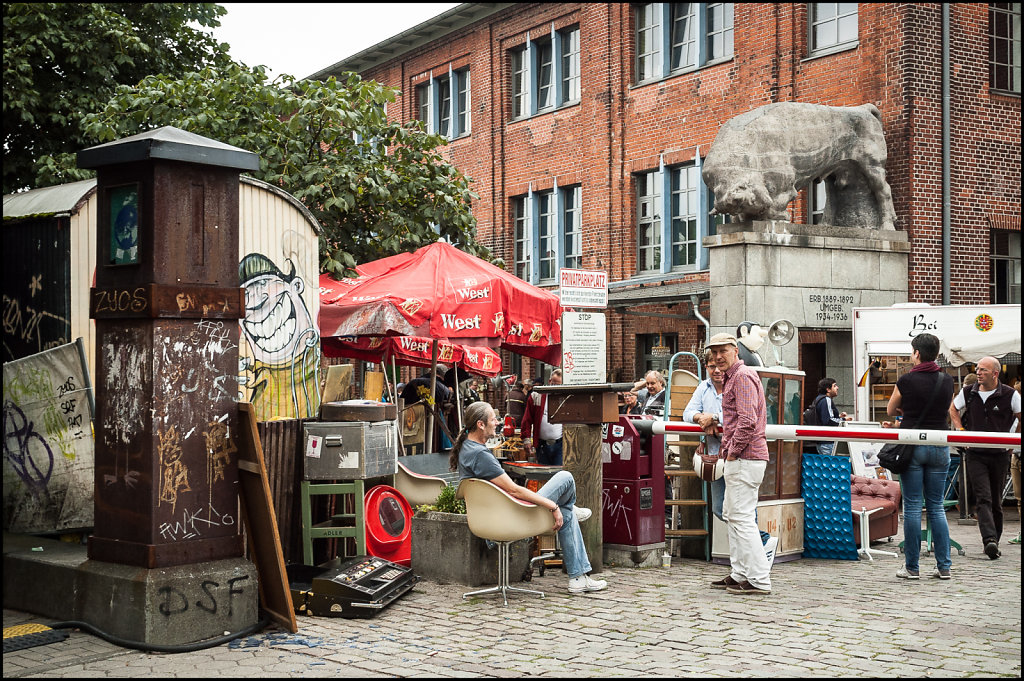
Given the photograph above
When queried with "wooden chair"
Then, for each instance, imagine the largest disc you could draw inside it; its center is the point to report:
(495, 515)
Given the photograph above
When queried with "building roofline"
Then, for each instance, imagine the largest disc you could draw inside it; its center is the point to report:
(426, 32)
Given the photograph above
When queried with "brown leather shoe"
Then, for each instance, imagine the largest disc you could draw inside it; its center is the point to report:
(746, 587)
(724, 583)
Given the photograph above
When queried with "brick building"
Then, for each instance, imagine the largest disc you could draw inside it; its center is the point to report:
(583, 126)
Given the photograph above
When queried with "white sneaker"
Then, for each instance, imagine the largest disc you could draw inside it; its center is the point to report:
(581, 513)
(769, 550)
(578, 585)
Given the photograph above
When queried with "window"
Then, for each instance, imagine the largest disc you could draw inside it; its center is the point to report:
(817, 196)
(685, 186)
(832, 25)
(548, 233)
(439, 111)
(570, 65)
(651, 352)
(521, 218)
(546, 73)
(672, 37)
(1004, 46)
(1004, 267)
(649, 222)
(687, 204)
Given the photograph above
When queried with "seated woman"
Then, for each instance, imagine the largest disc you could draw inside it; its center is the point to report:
(473, 459)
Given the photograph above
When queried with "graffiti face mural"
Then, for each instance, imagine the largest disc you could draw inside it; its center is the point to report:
(280, 375)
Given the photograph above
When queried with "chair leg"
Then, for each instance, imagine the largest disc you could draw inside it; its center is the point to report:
(865, 536)
(504, 554)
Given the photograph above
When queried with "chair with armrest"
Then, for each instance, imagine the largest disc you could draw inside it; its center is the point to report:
(494, 514)
(417, 489)
(875, 505)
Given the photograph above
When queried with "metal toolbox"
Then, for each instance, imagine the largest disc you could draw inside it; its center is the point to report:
(349, 450)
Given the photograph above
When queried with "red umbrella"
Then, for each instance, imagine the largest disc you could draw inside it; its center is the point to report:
(440, 292)
(413, 351)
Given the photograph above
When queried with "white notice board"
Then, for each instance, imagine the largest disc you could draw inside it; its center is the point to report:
(584, 348)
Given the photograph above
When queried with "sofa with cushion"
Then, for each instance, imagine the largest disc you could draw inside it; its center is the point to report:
(872, 493)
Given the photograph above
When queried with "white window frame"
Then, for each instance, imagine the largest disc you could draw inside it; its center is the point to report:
(544, 75)
(547, 226)
(665, 202)
(660, 21)
(440, 106)
(1004, 267)
(816, 200)
(841, 12)
(1004, 64)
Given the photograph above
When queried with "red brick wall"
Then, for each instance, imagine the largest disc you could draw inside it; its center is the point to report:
(619, 128)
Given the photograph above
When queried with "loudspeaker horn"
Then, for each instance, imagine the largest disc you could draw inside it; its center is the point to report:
(779, 333)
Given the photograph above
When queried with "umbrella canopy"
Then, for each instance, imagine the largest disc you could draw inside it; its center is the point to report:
(413, 351)
(442, 293)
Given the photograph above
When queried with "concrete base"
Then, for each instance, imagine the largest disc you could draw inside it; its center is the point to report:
(634, 556)
(445, 551)
(163, 606)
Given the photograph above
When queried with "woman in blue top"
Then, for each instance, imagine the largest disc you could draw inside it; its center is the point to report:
(471, 457)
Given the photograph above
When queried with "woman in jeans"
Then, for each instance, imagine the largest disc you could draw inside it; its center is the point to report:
(926, 477)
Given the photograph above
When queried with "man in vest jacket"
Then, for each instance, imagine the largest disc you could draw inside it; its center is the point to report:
(991, 406)
(539, 434)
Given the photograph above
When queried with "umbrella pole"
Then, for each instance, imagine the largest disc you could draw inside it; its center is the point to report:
(429, 440)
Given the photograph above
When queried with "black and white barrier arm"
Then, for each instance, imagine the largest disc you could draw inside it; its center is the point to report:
(951, 438)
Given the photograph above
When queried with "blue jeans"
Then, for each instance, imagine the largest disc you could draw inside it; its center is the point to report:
(825, 447)
(561, 489)
(550, 455)
(717, 499)
(925, 478)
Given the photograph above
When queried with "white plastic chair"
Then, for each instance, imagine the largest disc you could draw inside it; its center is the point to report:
(494, 514)
(416, 488)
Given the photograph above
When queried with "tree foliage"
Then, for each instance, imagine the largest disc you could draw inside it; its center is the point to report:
(377, 187)
(64, 60)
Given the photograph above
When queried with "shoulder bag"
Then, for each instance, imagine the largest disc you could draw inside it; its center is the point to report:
(896, 456)
(708, 466)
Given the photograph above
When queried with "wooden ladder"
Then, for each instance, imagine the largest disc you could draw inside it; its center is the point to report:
(675, 533)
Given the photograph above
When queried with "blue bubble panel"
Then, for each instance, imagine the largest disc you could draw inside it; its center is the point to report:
(828, 524)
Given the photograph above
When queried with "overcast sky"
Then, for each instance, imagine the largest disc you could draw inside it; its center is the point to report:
(302, 38)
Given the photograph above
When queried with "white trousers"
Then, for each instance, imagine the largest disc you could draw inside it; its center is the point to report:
(746, 552)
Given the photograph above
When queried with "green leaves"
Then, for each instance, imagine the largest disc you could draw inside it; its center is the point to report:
(64, 60)
(375, 185)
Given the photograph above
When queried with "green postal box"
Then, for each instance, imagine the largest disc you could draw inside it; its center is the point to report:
(349, 450)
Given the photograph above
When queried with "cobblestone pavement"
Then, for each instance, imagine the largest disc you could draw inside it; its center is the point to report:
(824, 618)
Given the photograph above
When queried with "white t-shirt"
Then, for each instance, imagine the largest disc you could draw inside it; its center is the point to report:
(959, 402)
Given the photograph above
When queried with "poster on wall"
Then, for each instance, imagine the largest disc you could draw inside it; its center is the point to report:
(48, 443)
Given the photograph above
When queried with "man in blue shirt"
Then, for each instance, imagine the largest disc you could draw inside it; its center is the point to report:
(704, 409)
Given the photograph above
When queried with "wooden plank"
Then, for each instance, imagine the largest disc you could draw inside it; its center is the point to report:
(261, 523)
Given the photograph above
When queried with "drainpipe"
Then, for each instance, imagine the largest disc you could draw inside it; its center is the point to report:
(695, 302)
(945, 156)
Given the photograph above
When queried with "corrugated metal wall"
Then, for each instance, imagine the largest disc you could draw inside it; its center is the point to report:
(36, 288)
(279, 252)
(83, 269)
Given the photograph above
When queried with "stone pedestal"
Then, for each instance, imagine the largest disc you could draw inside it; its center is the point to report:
(169, 606)
(812, 275)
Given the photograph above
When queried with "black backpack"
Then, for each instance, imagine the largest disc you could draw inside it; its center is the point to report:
(811, 413)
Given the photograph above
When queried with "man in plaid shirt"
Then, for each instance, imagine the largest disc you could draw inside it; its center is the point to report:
(745, 451)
